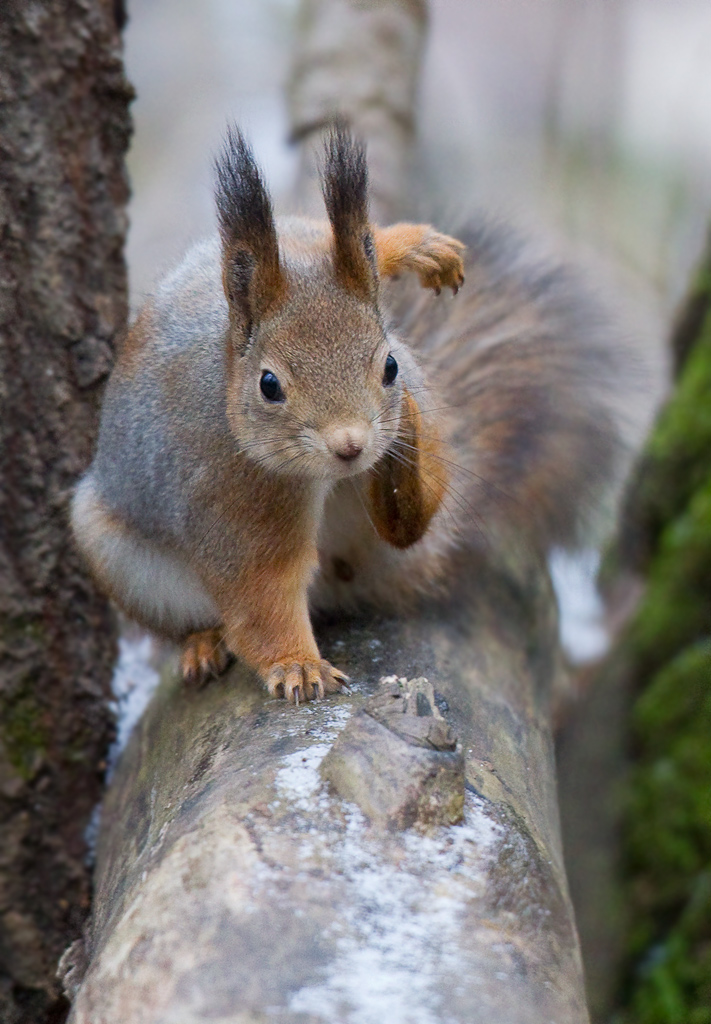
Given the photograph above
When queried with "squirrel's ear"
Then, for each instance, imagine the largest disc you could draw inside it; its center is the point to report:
(252, 275)
(345, 191)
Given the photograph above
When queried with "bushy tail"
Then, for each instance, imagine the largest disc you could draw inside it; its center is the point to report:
(528, 368)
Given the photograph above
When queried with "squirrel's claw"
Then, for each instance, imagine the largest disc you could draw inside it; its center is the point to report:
(302, 681)
(334, 681)
(275, 681)
(438, 262)
(204, 655)
(294, 684)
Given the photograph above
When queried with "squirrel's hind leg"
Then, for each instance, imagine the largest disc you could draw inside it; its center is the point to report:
(152, 584)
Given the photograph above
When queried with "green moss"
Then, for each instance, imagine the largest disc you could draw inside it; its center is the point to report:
(680, 695)
(683, 434)
(667, 821)
(676, 609)
(670, 806)
(676, 460)
(701, 285)
(24, 734)
(673, 983)
(668, 846)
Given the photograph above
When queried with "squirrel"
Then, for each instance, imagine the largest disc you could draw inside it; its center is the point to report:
(269, 444)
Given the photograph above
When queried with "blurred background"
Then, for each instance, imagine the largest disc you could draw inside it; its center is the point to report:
(587, 120)
(592, 116)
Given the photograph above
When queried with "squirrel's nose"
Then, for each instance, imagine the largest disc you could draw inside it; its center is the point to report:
(349, 450)
(346, 443)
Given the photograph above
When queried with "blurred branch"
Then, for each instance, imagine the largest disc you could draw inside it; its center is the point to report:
(360, 61)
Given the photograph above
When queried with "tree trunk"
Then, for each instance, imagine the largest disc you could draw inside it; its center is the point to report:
(662, 659)
(64, 129)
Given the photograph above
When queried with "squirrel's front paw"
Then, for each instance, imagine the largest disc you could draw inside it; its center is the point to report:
(438, 262)
(301, 681)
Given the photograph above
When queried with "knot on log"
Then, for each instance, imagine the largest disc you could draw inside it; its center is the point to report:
(398, 759)
(408, 708)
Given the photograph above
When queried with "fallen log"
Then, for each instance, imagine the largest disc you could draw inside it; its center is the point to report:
(235, 884)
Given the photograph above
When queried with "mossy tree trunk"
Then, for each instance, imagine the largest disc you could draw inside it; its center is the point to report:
(665, 659)
(64, 129)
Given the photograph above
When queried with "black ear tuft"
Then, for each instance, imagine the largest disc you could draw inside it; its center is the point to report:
(244, 208)
(344, 182)
(252, 273)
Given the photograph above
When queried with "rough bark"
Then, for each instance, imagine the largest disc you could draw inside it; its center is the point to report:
(64, 129)
(235, 884)
(360, 61)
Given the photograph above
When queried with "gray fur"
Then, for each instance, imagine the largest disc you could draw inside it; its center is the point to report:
(161, 470)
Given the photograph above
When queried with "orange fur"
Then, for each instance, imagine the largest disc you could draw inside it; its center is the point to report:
(408, 488)
(434, 257)
(272, 630)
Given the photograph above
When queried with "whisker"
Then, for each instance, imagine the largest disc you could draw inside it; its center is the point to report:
(425, 412)
(463, 503)
(455, 465)
(245, 446)
(460, 501)
(443, 508)
(268, 456)
(445, 483)
(413, 391)
(364, 507)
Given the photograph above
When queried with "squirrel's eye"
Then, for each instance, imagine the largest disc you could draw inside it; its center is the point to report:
(270, 387)
(390, 372)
